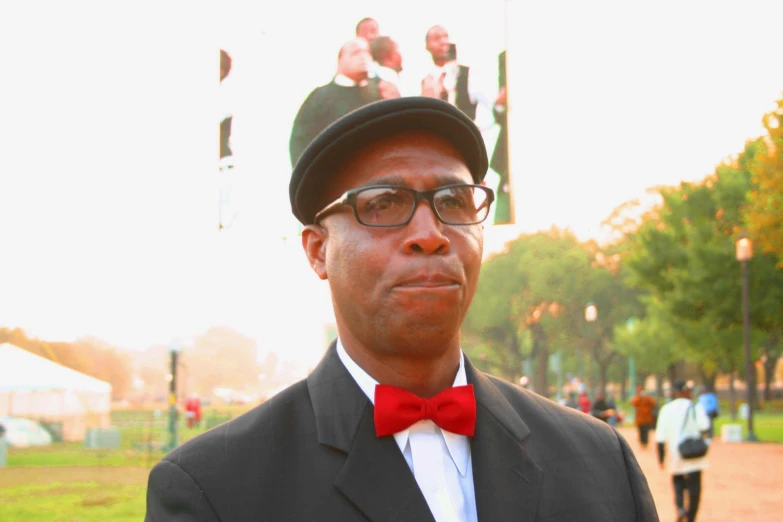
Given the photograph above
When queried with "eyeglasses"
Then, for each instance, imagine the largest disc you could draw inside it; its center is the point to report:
(393, 205)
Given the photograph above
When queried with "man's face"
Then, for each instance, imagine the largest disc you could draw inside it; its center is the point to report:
(355, 59)
(394, 61)
(368, 30)
(402, 290)
(438, 42)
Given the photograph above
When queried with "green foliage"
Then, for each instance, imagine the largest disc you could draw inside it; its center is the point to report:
(765, 208)
(684, 255)
(531, 300)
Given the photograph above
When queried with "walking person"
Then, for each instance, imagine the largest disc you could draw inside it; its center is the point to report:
(709, 401)
(645, 416)
(676, 420)
(3, 447)
(605, 409)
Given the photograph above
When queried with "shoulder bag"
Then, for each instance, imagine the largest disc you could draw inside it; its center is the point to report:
(692, 446)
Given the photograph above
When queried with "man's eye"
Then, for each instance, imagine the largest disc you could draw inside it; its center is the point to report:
(383, 203)
(452, 202)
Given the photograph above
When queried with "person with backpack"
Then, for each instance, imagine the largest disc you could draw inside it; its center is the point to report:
(679, 423)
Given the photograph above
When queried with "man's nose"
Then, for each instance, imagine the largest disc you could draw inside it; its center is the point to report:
(425, 232)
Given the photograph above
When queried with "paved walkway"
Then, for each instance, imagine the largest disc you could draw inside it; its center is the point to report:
(743, 483)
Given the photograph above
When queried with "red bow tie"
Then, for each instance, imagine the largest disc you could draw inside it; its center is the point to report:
(396, 409)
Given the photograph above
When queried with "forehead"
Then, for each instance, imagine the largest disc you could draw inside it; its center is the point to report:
(356, 46)
(412, 158)
(438, 32)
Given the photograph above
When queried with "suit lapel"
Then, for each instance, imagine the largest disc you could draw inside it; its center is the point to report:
(506, 479)
(375, 477)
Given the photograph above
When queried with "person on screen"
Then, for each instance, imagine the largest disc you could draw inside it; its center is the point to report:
(448, 80)
(388, 60)
(368, 29)
(499, 161)
(396, 423)
(226, 115)
(350, 89)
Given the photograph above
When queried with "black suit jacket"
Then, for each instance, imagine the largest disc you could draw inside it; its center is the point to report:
(324, 106)
(310, 453)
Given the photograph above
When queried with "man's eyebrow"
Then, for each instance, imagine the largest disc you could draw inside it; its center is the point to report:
(442, 179)
(385, 180)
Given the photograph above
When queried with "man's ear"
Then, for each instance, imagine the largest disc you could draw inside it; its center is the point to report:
(314, 241)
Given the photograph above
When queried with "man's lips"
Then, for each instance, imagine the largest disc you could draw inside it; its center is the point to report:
(428, 281)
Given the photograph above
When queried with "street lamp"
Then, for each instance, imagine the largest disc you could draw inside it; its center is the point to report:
(630, 324)
(744, 248)
(591, 312)
(174, 350)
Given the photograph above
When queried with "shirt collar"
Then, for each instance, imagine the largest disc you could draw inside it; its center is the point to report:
(458, 445)
(344, 81)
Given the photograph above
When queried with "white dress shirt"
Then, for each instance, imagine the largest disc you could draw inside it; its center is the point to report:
(387, 74)
(484, 117)
(344, 81)
(440, 460)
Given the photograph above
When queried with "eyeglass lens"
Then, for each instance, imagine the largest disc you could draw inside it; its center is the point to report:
(384, 206)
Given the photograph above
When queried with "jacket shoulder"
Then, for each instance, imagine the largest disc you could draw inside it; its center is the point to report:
(264, 422)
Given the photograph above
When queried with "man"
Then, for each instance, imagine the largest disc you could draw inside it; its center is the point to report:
(388, 60)
(226, 114)
(499, 161)
(3, 447)
(391, 201)
(350, 89)
(584, 400)
(449, 81)
(677, 418)
(367, 28)
(226, 165)
(644, 417)
(572, 401)
(604, 409)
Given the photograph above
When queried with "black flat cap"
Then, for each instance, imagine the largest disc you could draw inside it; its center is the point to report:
(340, 140)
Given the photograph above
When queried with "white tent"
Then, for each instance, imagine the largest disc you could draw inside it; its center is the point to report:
(37, 388)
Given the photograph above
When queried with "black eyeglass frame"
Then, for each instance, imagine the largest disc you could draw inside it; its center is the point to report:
(349, 199)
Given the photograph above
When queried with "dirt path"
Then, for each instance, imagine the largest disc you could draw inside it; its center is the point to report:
(744, 482)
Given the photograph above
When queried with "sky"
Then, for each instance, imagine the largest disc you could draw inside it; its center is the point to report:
(109, 183)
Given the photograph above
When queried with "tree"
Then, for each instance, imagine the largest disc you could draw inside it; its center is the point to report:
(764, 211)
(771, 352)
(685, 256)
(530, 303)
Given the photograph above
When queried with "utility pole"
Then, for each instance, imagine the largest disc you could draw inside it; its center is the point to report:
(174, 350)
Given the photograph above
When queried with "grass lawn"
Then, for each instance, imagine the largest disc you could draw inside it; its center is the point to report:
(768, 427)
(68, 482)
(73, 494)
